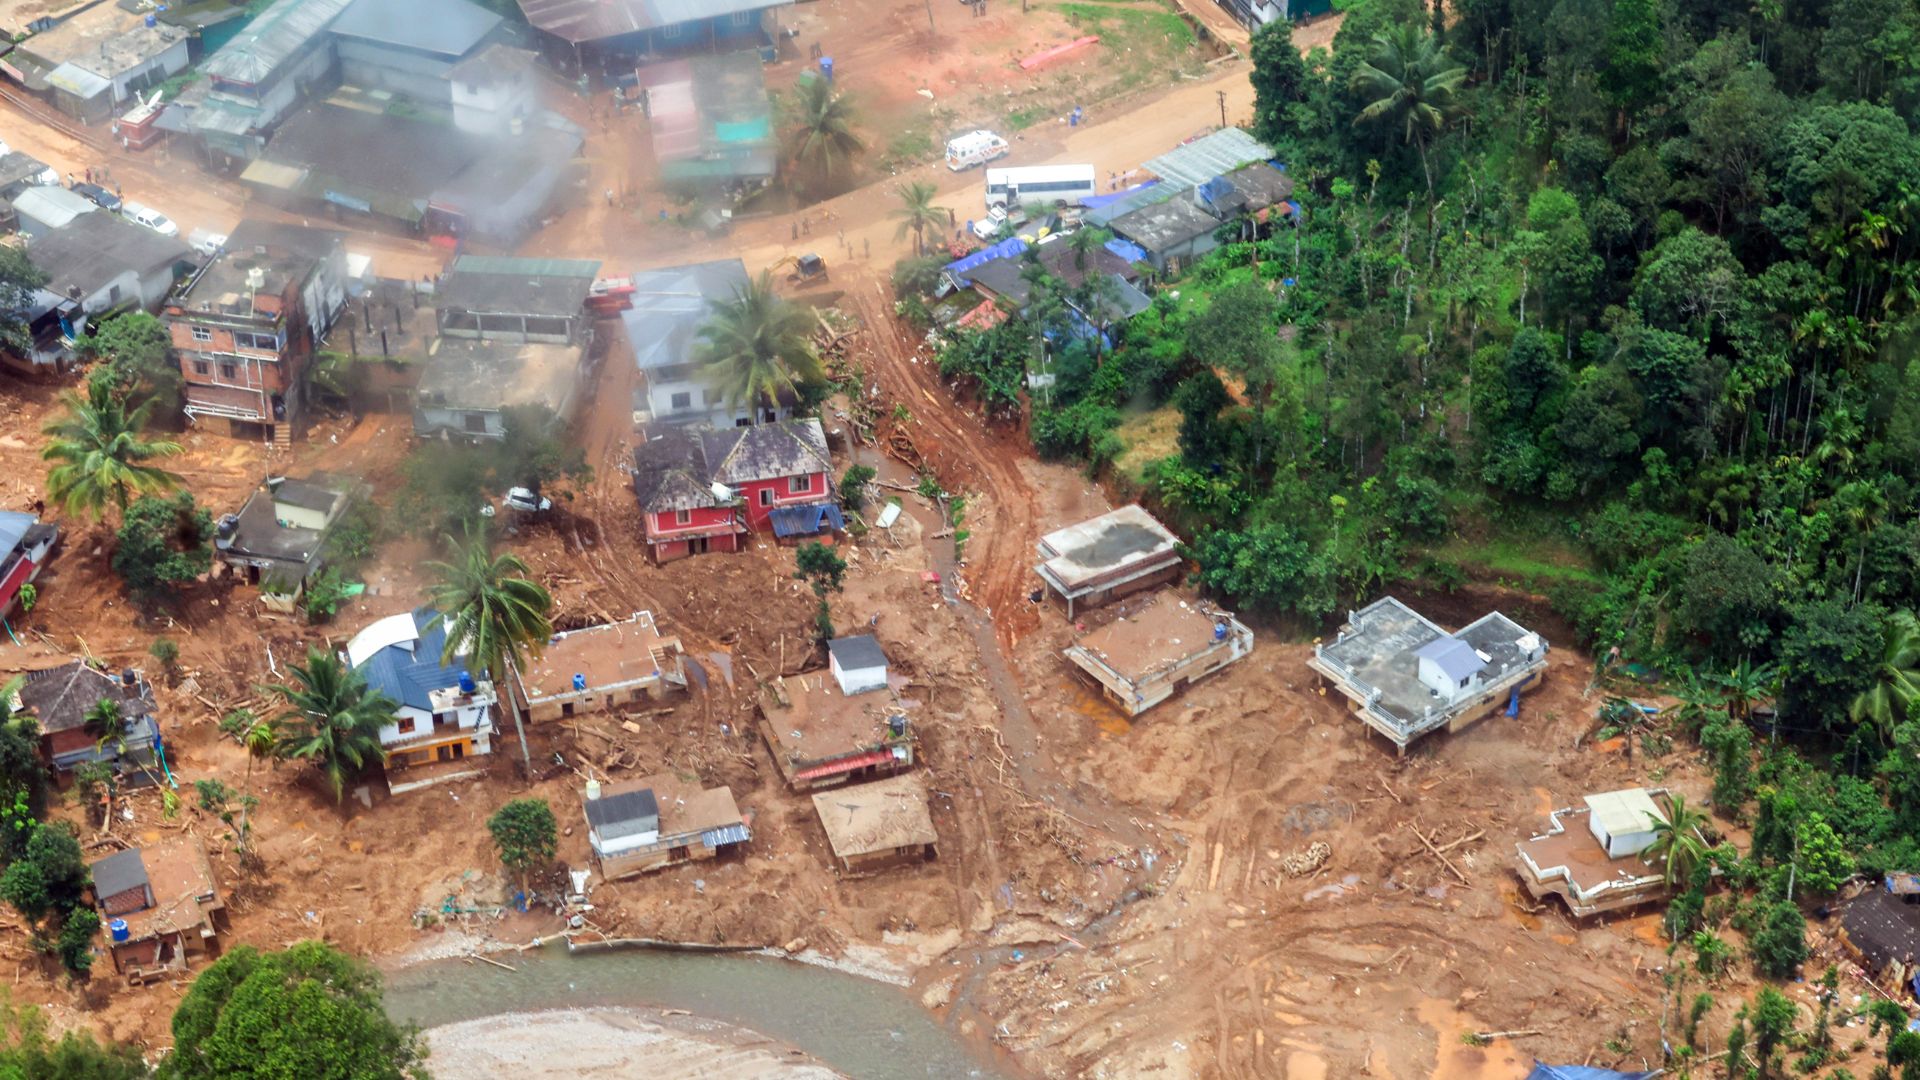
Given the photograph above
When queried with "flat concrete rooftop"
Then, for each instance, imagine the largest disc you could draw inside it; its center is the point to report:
(1106, 550)
(607, 655)
(819, 723)
(1155, 636)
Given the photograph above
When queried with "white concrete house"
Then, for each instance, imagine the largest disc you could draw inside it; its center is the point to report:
(1450, 668)
(444, 712)
(858, 664)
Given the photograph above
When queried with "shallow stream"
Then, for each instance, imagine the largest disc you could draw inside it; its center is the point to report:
(862, 1028)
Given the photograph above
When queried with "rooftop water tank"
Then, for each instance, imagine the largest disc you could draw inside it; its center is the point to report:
(579, 681)
(151, 21)
(593, 790)
(1219, 631)
(467, 685)
(118, 928)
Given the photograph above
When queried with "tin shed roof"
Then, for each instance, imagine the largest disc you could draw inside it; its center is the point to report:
(1207, 157)
(591, 20)
(1455, 658)
(444, 27)
(275, 36)
(119, 872)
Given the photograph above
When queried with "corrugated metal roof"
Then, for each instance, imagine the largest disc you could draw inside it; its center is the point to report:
(508, 264)
(1208, 156)
(77, 81)
(808, 520)
(444, 27)
(273, 174)
(591, 20)
(219, 116)
(725, 834)
(274, 36)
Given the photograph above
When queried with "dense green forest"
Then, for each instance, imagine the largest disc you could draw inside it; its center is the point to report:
(1629, 289)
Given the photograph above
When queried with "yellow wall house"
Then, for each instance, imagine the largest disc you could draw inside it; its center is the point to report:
(444, 718)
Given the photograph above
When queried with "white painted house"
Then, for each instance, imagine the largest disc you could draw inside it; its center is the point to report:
(443, 713)
(858, 664)
(1623, 821)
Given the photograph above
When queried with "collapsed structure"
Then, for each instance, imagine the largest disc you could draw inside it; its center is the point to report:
(1120, 552)
(659, 821)
(841, 725)
(278, 539)
(1407, 678)
(161, 906)
(1593, 856)
(872, 826)
(1168, 641)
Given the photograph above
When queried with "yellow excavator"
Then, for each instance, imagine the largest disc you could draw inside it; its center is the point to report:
(805, 269)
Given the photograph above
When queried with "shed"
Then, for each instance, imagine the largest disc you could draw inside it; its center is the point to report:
(858, 663)
(446, 28)
(44, 209)
(1623, 821)
(1447, 666)
(623, 820)
(1207, 157)
(811, 519)
(120, 883)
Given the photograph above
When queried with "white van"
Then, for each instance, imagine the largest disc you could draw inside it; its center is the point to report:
(974, 148)
(151, 218)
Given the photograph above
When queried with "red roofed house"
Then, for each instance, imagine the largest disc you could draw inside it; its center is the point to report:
(703, 490)
(25, 545)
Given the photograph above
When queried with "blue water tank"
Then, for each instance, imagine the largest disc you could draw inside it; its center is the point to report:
(467, 685)
(1219, 631)
(118, 928)
(579, 681)
(151, 21)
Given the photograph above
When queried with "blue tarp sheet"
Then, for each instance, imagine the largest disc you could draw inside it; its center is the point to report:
(1581, 1072)
(1127, 250)
(1004, 249)
(1097, 201)
(808, 520)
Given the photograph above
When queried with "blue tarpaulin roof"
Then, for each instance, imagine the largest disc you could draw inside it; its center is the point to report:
(1001, 250)
(1582, 1072)
(1127, 249)
(1094, 202)
(805, 520)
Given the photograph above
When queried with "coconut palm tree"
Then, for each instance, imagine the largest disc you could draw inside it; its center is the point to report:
(492, 614)
(332, 718)
(107, 724)
(757, 348)
(1408, 81)
(820, 137)
(1896, 680)
(102, 457)
(917, 213)
(1084, 241)
(1677, 842)
(1625, 719)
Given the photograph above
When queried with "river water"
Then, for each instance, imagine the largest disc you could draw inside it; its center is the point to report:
(865, 1029)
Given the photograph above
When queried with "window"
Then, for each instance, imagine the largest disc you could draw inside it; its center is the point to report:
(743, 18)
(766, 496)
(671, 31)
(201, 367)
(408, 725)
(263, 342)
(476, 422)
(799, 485)
(113, 295)
(566, 708)
(229, 370)
(683, 517)
(682, 401)
(203, 333)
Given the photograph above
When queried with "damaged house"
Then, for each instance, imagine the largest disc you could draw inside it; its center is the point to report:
(1102, 559)
(600, 668)
(703, 490)
(659, 821)
(26, 543)
(1593, 856)
(278, 539)
(1407, 678)
(443, 712)
(161, 908)
(61, 700)
(1158, 645)
(871, 827)
(841, 725)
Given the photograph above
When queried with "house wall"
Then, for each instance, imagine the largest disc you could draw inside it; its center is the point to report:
(122, 902)
(1619, 845)
(490, 108)
(666, 551)
(666, 524)
(66, 742)
(1450, 690)
(469, 423)
(136, 953)
(555, 706)
(763, 495)
(857, 680)
(881, 860)
(300, 517)
(157, 70)
(659, 857)
(402, 71)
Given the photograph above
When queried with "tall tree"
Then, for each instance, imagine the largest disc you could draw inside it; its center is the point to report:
(102, 458)
(1410, 83)
(1085, 241)
(916, 213)
(332, 718)
(1281, 82)
(821, 139)
(524, 834)
(162, 544)
(309, 1011)
(757, 348)
(139, 356)
(493, 615)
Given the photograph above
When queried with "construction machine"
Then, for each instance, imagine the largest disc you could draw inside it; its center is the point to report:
(805, 269)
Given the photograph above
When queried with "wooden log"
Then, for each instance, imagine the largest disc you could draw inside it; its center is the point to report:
(1438, 854)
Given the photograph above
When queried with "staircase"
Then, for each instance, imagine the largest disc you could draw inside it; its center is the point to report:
(283, 436)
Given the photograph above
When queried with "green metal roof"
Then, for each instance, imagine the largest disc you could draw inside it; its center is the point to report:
(503, 264)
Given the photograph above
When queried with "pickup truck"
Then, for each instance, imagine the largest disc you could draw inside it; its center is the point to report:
(998, 217)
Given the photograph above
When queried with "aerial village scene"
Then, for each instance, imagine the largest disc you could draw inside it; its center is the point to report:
(738, 539)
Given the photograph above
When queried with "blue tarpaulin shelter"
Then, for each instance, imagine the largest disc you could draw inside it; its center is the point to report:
(1127, 249)
(809, 520)
(1095, 202)
(1002, 250)
(1582, 1072)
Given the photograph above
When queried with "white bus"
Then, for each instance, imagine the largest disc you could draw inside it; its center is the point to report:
(1041, 185)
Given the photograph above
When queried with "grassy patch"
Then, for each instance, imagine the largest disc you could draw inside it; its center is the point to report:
(1153, 31)
(912, 146)
(1534, 562)
(1027, 115)
(1148, 437)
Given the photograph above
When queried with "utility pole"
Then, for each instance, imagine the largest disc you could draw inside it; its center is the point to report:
(930, 27)
(1222, 95)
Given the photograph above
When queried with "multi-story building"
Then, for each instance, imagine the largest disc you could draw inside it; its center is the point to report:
(443, 712)
(246, 326)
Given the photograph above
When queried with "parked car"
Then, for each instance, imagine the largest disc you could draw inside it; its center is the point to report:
(206, 242)
(988, 228)
(526, 501)
(98, 196)
(149, 217)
